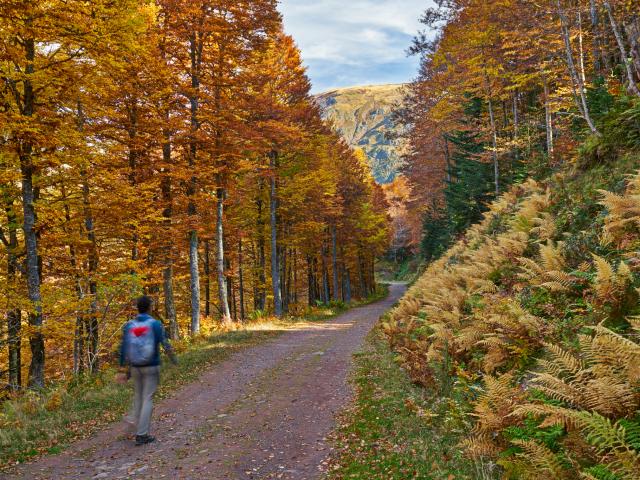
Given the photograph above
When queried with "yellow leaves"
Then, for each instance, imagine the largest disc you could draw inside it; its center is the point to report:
(54, 402)
(438, 299)
(547, 272)
(603, 378)
(541, 459)
(610, 283)
(622, 224)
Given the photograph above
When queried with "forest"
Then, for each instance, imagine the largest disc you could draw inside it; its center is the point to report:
(171, 148)
(524, 150)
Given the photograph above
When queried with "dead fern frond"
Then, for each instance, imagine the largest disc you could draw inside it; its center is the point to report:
(479, 446)
(542, 460)
(553, 415)
(623, 210)
(545, 226)
(610, 284)
(499, 398)
(563, 362)
(558, 389)
(548, 272)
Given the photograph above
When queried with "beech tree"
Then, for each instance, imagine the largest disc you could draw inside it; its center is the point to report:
(140, 140)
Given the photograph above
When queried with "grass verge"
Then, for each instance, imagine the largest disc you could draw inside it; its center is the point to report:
(395, 430)
(47, 422)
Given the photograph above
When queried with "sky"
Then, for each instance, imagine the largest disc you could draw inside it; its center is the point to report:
(347, 43)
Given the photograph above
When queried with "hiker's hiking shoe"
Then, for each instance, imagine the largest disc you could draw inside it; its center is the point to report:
(144, 439)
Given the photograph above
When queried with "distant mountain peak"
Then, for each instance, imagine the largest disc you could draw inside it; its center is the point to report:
(363, 116)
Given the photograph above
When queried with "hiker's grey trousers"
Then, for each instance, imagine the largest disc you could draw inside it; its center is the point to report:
(145, 382)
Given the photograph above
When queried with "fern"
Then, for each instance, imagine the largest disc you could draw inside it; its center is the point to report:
(542, 460)
(623, 211)
(632, 429)
(599, 472)
(610, 439)
(548, 272)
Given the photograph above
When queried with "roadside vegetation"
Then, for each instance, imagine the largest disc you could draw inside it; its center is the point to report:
(395, 429)
(46, 422)
(528, 326)
(523, 162)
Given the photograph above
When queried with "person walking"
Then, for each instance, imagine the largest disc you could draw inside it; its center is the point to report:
(140, 354)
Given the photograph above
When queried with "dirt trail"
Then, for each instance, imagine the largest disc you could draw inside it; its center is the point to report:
(264, 413)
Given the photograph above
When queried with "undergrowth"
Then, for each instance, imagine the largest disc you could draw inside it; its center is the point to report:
(530, 327)
(47, 422)
(396, 430)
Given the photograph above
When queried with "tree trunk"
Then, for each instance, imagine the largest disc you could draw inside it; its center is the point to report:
(595, 27)
(311, 283)
(548, 118)
(275, 268)
(79, 331)
(632, 87)
(14, 315)
(27, 170)
(166, 187)
(295, 276)
(167, 213)
(194, 282)
(580, 96)
(372, 270)
(494, 152)
(583, 75)
(364, 291)
(222, 279)
(195, 52)
(91, 327)
(207, 278)
(132, 130)
(632, 28)
(334, 261)
(260, 299)
(231, 292)
(241, 279)
(36, 340)
(92, 321)
(347, 285)
(284, 278)
(346, 278)
(325, 277)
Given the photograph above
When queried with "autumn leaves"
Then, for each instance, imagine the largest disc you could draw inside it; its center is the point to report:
(171, 147)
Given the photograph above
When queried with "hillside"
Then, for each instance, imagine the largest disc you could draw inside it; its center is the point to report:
(362, 115)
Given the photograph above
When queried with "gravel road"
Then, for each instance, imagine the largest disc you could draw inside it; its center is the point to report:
(264, 413)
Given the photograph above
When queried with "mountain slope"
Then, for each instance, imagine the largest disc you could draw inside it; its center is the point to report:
(362, 115)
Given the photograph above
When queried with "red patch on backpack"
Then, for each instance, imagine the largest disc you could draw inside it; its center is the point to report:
(139, 331)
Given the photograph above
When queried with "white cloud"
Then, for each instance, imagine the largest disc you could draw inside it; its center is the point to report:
(350, 42)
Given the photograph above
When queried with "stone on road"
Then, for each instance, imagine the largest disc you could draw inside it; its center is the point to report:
(264, 413)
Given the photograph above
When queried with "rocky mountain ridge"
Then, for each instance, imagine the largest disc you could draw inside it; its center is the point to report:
(363, 116)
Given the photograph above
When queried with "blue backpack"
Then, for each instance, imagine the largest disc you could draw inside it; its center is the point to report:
(141, 343)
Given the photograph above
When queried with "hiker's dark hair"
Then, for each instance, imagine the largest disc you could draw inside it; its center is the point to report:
(144, 304)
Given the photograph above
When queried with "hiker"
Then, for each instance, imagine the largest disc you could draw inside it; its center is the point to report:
(140, 356)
